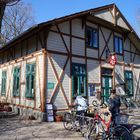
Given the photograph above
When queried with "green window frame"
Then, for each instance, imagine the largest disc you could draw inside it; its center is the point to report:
(78, 80)
(128, 75)
(118, 44)
(92, 37)
(3, 83)
(30, 80)
(16, 82)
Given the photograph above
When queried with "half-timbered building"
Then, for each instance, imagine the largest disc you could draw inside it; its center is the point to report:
(55, 61)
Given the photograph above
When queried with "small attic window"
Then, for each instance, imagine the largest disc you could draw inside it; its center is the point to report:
(118, 44)
(92, 37)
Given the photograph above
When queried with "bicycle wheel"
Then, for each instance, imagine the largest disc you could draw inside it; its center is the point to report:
(92, 132)
(84, 126)
(121, 133)
(67, 121)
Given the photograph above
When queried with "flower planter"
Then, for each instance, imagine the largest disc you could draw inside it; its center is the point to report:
(8, 108)
(58, 118)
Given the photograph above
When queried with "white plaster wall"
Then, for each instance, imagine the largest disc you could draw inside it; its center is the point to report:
(77, 28)
(93, 69)
(58, 99)
(55, 42)
(78, 60)
(78, 46)
(22, 100)
(119, 79)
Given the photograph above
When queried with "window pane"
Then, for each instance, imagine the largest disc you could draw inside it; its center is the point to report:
(110, 82)
(16, 81)
(3, 84)
(126, 75)
(17, 84)
(76, 70)
(82, 85)
(89, 37)
(30, 80)
(130, 75)
(82, 70)
(95, 39)
(75, 85)
(14, 85)
(129, 82)
(32, 85)
(103, 82)
(27, 68)
(120, 46)
(79, 79)
(116, 45)
(33, 68)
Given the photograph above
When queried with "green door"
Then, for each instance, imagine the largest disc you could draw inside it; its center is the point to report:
(106, 87)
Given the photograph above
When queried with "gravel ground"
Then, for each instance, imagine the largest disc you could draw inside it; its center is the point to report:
(17, 128)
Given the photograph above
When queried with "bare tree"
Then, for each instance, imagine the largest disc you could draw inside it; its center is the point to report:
(16, 19)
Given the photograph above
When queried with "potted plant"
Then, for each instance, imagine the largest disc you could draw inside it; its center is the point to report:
(58, 116)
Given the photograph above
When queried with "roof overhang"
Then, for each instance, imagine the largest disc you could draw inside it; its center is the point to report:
(88, 14)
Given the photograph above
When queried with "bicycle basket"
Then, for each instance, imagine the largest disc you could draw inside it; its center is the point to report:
(121, 119)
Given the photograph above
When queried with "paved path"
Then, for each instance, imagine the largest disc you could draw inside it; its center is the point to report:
(20, 129)
(17, 129)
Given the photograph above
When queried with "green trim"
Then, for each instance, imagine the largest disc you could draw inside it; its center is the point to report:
(128, 76)
(80, 74)
(3, 83)
(16, 82)
(30, 80)
(106, 87)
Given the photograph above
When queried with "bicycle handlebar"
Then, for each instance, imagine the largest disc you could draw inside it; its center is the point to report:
(95, 104)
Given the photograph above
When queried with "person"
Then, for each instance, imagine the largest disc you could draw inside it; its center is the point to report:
(81, 104)
(114, 106)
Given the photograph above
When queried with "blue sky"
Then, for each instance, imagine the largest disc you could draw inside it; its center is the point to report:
(45, 10)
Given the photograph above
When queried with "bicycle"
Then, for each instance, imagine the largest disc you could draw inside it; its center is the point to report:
(72, 121)
(112, 132)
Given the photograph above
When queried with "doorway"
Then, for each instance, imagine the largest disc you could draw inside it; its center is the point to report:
(107, 82)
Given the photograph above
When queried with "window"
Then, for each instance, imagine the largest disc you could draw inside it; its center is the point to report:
(128, 83)
(3, 83)
(92, 37)
(118, 42)
(16, 81)
(30, 80)
(106, 71)
(78, 80)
